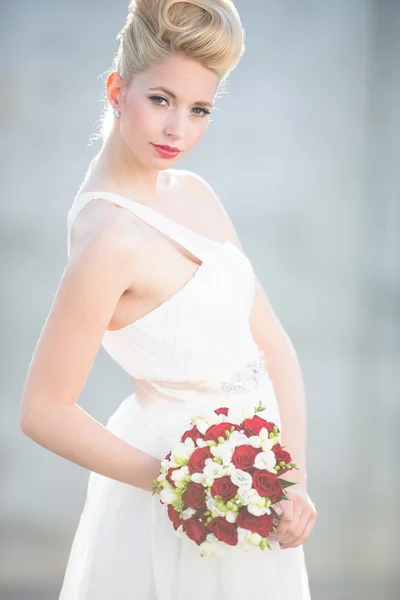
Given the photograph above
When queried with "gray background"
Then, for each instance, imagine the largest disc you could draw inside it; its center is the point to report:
(304, 153)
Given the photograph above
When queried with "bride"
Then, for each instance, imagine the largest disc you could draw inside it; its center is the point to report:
(156, 274)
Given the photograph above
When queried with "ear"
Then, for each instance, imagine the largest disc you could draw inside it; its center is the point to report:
(114, 89)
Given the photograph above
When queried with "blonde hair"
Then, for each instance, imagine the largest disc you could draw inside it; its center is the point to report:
(209, 31)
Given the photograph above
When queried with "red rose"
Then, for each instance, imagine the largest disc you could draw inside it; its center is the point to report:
(281, 454)
(224, 531)
(195, 530)
(243, 457)
(215, 431)
(174, 516)
(168, 475)
(224, 487)
(194, 496)
(222, 411)
(267, 484)
(253, 426)
(193, 433)
(261, 525)
(197, 461)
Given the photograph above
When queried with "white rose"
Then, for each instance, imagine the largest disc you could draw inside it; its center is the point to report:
(265, 460)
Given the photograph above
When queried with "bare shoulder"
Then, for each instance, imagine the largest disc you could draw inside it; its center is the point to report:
(203, 195)
(104, 226)
(195, 185)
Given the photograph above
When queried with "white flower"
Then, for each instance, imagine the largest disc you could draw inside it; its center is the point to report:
(265, 460)
(165, 464)
(264, 435)
(223, 451)
(255, 539)
(237, 439)
(198, 477)
(201, 443)
(243, 534)
(212, 546)
(179, 474)
(211, 505)
(213, 470)
(254, 441)
(241, 478)
(202, 426)
(189, 512)
(256, 510)
(182, 452)
(231, 516)
(168, 495)
(244, 496)
(267, 445)
(255, 498)
(237, 414)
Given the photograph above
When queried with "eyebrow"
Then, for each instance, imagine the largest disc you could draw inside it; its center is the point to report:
(172, 95)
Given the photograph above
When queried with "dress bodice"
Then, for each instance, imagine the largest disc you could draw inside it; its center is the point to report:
(199, 340)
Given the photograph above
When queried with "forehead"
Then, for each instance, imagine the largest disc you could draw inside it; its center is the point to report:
(184, 77)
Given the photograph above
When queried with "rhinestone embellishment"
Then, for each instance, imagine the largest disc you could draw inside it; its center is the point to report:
(244, 380)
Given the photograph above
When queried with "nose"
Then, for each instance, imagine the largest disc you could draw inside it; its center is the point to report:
(175, 126)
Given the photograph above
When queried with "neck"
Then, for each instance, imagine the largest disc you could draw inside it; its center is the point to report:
(119, 170)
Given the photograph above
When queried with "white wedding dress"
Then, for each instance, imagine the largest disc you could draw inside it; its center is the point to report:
(193, 350)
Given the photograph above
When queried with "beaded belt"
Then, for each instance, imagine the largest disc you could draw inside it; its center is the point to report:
(243, 381)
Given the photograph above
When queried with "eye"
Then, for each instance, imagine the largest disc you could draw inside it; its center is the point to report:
(203, 111)
(158, 100)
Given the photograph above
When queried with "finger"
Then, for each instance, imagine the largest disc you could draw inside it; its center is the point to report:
(286, 518)
(285, 527)
(306, 534)
(298, 530)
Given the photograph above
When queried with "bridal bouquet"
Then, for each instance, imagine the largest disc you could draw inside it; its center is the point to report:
(221, 482)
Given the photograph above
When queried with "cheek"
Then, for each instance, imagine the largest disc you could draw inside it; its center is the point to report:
(140, 119)
(198, 130)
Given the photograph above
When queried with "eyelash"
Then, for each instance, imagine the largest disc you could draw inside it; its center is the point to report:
(204, 110)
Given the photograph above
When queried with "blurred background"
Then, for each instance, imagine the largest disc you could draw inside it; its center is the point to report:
(304, 153)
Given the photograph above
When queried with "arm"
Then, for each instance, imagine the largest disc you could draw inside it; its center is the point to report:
(279, 358)
(98, 272)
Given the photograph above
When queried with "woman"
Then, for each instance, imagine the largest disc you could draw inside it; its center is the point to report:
(157, 275)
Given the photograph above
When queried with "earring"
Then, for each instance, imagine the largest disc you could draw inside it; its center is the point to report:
(116, 113)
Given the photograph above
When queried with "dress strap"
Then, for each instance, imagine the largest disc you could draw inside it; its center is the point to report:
(197, 244)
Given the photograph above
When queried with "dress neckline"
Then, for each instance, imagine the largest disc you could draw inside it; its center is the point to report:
(199, 245)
